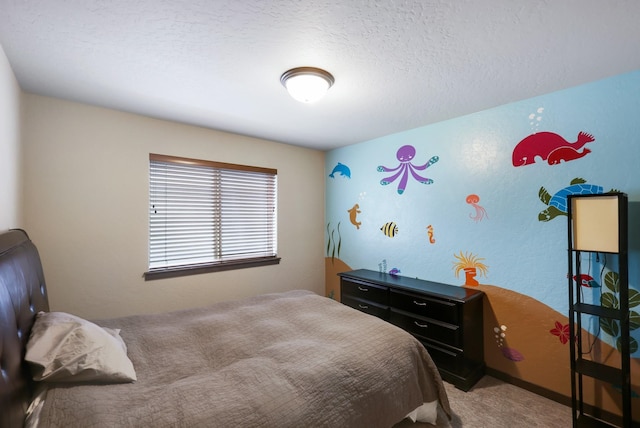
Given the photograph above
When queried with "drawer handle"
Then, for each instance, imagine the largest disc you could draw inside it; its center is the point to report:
(420, 303)
(363, 306)
(362, 288)
(421, 325)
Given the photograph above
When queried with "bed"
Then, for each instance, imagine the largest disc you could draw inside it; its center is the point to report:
(287, 359)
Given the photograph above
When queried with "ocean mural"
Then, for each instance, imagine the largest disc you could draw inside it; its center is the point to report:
(495, 217)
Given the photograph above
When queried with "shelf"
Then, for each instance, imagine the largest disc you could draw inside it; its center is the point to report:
(598, 223)
(586, 421)
(602, 312)
(599, 371)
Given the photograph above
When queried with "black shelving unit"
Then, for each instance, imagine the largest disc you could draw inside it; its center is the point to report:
(598, 224)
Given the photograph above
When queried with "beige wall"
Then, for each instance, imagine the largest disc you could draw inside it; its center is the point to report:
(10, 171)
(86, 202)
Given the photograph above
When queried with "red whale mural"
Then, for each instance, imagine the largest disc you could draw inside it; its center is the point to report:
(550, 147)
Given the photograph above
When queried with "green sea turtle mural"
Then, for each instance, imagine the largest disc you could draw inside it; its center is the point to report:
(557, 204)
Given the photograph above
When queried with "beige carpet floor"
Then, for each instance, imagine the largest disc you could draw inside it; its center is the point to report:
(492, 403)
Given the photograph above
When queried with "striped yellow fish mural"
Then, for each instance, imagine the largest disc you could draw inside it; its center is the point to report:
(390, 229)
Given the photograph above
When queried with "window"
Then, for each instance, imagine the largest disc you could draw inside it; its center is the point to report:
(207, 216)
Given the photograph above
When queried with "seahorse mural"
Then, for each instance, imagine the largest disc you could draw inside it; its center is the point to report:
(550, 147)
(432, 240)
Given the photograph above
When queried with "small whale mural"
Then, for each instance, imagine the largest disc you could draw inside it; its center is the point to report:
(566, 154)
(341, 169)
(549, 147)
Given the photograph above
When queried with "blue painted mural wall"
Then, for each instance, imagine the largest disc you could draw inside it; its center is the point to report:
(472, 202)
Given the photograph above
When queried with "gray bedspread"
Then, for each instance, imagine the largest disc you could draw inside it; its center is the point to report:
(291, 359)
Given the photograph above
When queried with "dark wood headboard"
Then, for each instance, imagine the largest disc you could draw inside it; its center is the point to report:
(22, 295)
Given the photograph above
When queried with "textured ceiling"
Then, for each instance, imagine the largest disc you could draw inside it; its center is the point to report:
(398, 64)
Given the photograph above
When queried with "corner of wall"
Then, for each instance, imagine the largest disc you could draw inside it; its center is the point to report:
(10, 146)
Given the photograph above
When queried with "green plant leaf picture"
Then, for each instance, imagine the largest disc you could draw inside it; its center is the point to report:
(612, 281)
(633, 344)
(610, 326)
(609, 300)
(634, 320)
(634, 298)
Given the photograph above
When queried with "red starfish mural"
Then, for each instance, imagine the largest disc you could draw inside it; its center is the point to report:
(562, 331)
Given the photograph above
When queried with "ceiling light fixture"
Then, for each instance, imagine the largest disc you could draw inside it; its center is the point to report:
(307, 84)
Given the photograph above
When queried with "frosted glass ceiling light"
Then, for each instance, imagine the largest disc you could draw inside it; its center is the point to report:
(307, 84)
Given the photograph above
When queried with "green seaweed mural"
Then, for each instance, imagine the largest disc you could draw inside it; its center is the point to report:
(333, 249)
(611, 299)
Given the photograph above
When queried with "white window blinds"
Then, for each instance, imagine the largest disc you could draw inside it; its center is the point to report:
(203, 212)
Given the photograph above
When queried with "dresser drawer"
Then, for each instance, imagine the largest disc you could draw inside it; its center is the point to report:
(379, 311)
(365, 291)
(448, 334)
(445, 358)
(441, 310)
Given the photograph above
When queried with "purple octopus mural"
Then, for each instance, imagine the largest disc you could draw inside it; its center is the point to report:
(405, 155)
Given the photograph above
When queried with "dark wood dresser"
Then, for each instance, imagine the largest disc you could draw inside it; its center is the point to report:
(447, 319)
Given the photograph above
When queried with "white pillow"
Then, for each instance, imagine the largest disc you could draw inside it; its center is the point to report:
(66, 348)
(428, 413)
